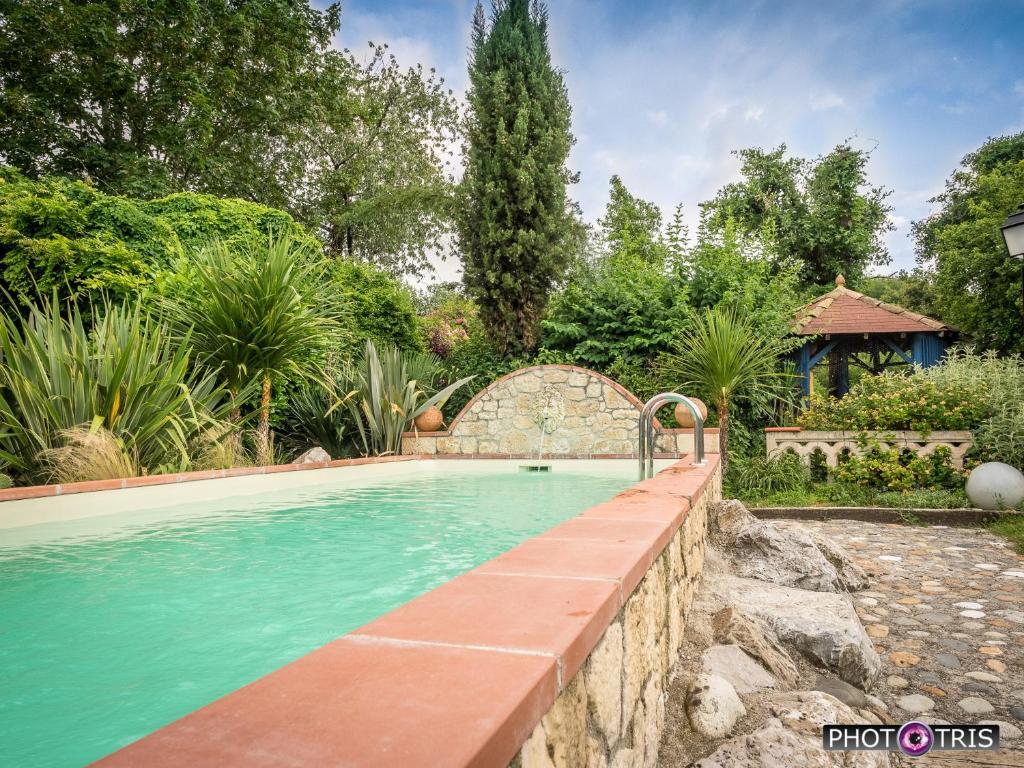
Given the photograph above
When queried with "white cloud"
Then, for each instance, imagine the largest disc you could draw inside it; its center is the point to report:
(825, 101)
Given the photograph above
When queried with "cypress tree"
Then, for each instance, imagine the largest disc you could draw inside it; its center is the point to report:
(516, 228)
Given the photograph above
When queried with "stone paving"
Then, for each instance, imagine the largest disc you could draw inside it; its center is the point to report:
(945, 609)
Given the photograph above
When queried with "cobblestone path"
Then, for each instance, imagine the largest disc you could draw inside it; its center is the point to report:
(946, 612)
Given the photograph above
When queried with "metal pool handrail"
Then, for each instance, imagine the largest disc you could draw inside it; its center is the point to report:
(645, 449)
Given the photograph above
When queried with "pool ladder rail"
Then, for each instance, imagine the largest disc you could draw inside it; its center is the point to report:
(645, 449)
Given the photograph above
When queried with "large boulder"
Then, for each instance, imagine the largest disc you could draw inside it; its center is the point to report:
(728, 518)
(821, 625)
(783, 553)
(732, 627)
(712, 706)
(316, 455)
(789, 557)
(792, 737)
(851, 575)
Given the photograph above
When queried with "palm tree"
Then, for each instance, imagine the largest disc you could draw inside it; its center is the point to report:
(258, 313)
(723, 357)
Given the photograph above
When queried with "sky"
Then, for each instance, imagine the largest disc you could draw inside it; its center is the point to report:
(663, 92)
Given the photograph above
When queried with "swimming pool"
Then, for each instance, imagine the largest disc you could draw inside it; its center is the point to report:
(115, 625)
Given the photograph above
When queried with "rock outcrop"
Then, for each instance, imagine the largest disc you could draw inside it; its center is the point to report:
(731, 663)
(792, 737)
(823, 626)
(732, 627)
(783, 554)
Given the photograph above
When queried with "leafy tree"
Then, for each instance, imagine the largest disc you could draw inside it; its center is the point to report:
(151, 98)
(625, 304)
(253, 314)
(826, 218)
(915, 290)
(724, 357)
(978, 286)
(516, 230)
(377, 181)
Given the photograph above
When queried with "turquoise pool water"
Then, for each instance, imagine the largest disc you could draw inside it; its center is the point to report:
(107, 637)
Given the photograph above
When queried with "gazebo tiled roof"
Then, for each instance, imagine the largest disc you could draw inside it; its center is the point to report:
(842, 311)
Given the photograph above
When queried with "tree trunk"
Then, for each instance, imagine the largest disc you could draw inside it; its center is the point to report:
(723, 432)
(264, 453)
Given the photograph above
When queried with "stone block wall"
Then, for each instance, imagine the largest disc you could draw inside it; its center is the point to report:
(612, 713)
(588, 415)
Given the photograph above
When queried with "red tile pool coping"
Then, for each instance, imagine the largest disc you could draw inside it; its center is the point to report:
(459, 676)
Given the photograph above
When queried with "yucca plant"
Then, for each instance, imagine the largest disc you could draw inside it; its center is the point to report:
(724, 357)
(126, 375)
(255, 313)
(387, 389)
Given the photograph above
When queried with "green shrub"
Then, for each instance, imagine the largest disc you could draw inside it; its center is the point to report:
(761, 476)
(5, 481)
(893, 400)
(895, 470)
(382, 308)
(998, 382)
(126, 375)
(67, 237)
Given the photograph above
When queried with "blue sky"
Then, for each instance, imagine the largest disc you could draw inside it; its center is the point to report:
(663, 91)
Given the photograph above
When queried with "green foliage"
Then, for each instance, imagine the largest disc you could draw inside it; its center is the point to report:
(914, 290)
(1010, 526)
(126, 375)
(724, 358)
(626, 304)
(66, 236)
(895, 470)
(386, 390)
(894, 400)
(825, 216)
(314, 420)
(762, 476)
(150, 99)
(5, 481)
(381, 307)
(978, 286)
(376, 178)
(254, 313)
(516, 227)
(997, 385)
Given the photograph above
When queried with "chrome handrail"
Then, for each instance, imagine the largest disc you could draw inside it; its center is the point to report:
(645, 449)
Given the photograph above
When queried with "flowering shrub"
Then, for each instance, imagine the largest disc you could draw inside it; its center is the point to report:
(897, 401)
(894, 470)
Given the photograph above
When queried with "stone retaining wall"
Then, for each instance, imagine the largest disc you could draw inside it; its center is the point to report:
(612, 712)
(591, 416)
(832, 444)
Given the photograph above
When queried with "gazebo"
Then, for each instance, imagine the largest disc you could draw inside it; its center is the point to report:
(849, 328)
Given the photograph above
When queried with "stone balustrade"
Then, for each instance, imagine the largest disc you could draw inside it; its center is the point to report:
(833, 444)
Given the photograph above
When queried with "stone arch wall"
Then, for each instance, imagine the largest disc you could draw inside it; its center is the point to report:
(595, 416)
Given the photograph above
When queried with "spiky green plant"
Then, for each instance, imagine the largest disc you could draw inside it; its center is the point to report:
(256, 313)
(386, 390)
(126, 375)
(724, 357)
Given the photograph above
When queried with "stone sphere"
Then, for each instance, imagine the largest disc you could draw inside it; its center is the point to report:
(995, 485)
(685, 416)
(430, 420)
